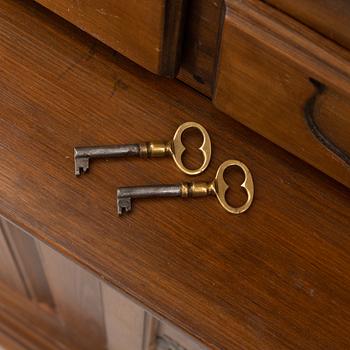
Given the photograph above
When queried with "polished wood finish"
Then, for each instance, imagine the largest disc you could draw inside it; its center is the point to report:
(263, 80)
(329, 17)
(274, 277)
(201, 42)
(148, 32)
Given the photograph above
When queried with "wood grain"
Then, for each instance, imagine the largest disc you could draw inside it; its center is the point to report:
(148, 32)
(263, 80)
(275, 277)
(201, 43)
(329, 17)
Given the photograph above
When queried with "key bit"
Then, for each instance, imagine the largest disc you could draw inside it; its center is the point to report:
(81, 164)
(217, 187)
(173, 148)
(123, 204)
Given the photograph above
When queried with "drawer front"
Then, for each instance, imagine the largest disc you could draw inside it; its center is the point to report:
(329, 17)
(288, 83)
(148, 31)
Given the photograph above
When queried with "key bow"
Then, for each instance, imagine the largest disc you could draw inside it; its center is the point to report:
(178, 148)
(220, 186)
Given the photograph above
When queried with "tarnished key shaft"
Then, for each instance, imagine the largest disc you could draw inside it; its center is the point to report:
(126, 194)
(82, 155)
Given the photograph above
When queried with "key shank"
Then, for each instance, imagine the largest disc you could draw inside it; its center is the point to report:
(82, 155)
(126, 194)
(194, 189)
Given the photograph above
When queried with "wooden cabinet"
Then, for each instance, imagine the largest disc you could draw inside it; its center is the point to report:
(288, 83)
(175, 273)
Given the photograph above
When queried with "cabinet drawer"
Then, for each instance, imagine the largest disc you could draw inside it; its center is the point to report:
(288, 83)
(329, 17)
(148, 31)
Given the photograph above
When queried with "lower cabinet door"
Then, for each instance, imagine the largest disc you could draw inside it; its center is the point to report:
(59, 300)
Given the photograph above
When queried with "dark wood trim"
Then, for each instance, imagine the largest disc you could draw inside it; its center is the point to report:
(173, 34)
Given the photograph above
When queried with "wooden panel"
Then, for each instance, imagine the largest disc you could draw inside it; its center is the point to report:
(171, 334)
(150, 332)
(124, 321)
(7, 343)
(201, 41)
(148, 32)
(23, 322)
(9, 270)
(276, 277)
(77, 297)
(28, 262)
(329, 17)
(263, 80)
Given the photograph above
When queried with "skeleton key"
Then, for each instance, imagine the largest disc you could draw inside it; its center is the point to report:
(174, 148)
(216, 187)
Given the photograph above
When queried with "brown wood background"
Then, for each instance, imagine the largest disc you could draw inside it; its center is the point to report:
(274, 277)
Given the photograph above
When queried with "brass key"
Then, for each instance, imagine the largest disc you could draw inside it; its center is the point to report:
(174, 148)
(217, 187)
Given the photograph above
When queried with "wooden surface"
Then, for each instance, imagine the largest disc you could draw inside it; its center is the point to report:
(263, 80)
(329, 17)
(275, 277)
(148, 32)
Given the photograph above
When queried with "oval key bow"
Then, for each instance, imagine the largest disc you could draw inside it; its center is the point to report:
(178, 148)
(220, 187)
